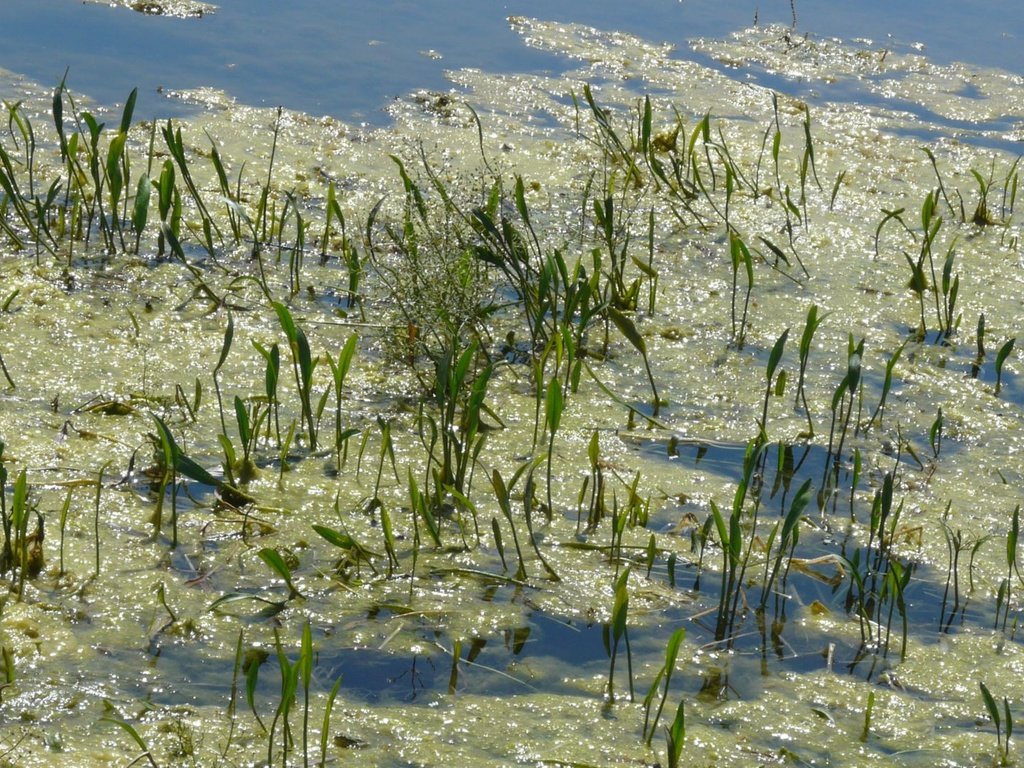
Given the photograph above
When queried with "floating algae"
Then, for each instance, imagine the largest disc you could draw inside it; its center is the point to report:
(451, 648)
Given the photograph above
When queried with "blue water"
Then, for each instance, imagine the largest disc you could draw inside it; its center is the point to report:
(349, 59)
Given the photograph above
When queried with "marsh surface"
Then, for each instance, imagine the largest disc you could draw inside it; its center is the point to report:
(377, 405)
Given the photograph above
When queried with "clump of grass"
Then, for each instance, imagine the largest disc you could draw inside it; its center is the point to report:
(22, 552)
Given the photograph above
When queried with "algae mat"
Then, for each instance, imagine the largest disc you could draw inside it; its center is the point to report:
(483, 485)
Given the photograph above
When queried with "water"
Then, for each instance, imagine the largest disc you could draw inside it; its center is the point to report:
(349, 61)
(529, 658)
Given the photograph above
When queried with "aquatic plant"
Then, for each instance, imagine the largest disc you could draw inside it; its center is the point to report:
(788, 535)
(629, 330)
(617, 631)
(893, 215)
(868, 711)
(734, 557)
(806, 338)
(339, 370)
(664, 678)
(503, 498)
(1004, 595)
(773, 384)
(353, 553)
(33, 221)
(595, 482)
(949, 321)
(22, 551)
(879, 412)
(1002, 743)
(290, 674)
(271, 377)
(170, 453)
(842, 412)
(303, 364)
(955, 546)
(675, 736)
(740, 256)
(278, 565)
(134, 734)
(982, 216)
(879, 579)
(980, 341)
(1001, 356)
(225, 348)
(553, 415)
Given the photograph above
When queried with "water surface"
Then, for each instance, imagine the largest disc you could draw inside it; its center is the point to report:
(350, 59)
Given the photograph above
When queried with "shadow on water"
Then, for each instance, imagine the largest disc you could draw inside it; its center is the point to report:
(849, 595)
(530, 658)
(846, 600)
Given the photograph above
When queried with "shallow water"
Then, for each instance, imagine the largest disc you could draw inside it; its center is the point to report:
(791, 683)
(351, 61)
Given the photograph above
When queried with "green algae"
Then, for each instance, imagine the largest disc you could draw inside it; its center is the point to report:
(126, 331)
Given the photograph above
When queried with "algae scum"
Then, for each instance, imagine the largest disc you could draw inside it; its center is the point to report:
(641, 415)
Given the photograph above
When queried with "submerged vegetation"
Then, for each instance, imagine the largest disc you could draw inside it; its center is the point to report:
(547, 415)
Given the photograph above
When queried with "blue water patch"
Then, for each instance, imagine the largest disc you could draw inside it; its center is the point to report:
(349, 61)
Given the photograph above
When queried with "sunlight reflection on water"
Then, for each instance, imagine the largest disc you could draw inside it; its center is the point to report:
(350, 61)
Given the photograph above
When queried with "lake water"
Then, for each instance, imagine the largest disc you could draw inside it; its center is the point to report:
(350, 59)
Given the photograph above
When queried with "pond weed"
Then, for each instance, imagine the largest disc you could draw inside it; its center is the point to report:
(999, 719)
(617, 632)
(1001, 356)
